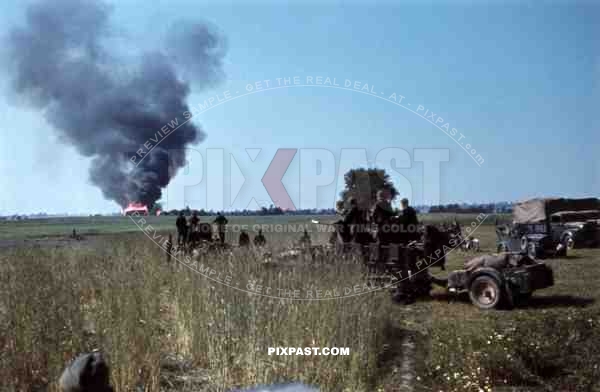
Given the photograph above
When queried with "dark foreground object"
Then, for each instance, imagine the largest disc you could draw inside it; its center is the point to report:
(87, 373)
(295, 387)
(90, 373)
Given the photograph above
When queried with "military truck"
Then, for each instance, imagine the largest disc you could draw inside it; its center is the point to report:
(577, 229)
(536, 229)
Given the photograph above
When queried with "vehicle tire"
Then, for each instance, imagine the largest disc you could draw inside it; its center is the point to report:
(568, 242)
(502, 248)
(562, 252)
(485, 292)
(531, 251)
(524, 244)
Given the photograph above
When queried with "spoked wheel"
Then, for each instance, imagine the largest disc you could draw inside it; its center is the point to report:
(485, 292)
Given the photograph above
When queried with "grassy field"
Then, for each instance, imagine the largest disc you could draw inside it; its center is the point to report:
(164, 327)
(53, 227)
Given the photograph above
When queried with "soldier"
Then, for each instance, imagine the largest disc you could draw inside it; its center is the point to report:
(76, 236)
(259, 240)
(344, 226)
(409, 221)
(193, 228)
(356, 223)
(181, 225)
(194, 220)
(382, 217)
(305, 239)
(333, 233)
(306, 244)
(351, 217)
(382, 214)
(339, 207)
(419, 283)
(244, 238)
(221, 221)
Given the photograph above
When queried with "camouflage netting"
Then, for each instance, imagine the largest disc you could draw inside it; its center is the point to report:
(537, 210)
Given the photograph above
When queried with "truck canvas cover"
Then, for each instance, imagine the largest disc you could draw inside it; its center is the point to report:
(578, 216)
(538, 210)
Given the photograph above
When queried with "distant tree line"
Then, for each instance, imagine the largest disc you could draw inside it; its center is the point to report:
(444, 208)
(264, 211)
(472, 208)
(453, 208)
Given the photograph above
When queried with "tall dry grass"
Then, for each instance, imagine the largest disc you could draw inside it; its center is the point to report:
(122, 297)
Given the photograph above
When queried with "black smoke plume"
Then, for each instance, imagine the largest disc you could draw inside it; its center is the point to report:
(63, 63)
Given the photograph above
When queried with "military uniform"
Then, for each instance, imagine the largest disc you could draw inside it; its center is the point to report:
(221, 221)
(305, 239)
(244, 239)
(382, 215)
(356, 223)
(181, 225)
(410, 223)
(193, 228)
(414, 282)
(260, 239)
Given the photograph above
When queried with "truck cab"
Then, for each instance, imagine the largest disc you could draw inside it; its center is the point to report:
(548, 227)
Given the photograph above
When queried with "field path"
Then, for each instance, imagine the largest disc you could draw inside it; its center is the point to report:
(407, 366)
(409, 345)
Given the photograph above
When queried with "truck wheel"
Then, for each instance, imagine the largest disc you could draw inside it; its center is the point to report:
(502, 248)
(524, 243)
(485, 292)
(562, 252)
(569, 242)
(531, 251)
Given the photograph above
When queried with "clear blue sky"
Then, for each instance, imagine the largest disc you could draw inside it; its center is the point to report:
(519, 82)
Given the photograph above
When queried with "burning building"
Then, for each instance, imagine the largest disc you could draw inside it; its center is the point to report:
(133, 208)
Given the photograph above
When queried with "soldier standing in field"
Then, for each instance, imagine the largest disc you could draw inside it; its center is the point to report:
(418, 283)
(351, 218)
(409, 220)
(305, 239)
(260, 239)
(221, 221)
(244, 239)
(193, 228)
(181, 225)
(382, 216)
(356, 223)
